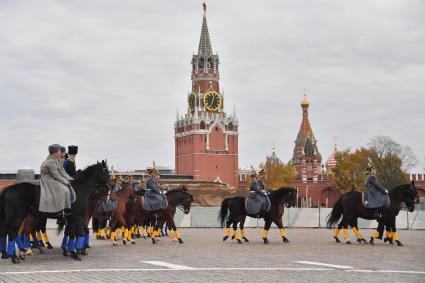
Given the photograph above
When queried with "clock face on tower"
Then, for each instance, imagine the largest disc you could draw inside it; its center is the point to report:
(212, 100)
(192, 101)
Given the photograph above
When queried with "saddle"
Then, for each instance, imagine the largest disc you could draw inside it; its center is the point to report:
(108, 206)
(365, 200)
(153, 201)
(256, 204)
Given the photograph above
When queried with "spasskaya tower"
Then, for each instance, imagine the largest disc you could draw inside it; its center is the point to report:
(206, 138)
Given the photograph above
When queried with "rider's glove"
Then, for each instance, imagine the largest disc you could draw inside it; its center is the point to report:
(386, 191)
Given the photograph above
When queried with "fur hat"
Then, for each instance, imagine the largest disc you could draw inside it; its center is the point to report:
(72, 149)
(370, 165)
(63, 149)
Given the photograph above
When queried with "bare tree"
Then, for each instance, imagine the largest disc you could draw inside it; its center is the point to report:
(392, 160)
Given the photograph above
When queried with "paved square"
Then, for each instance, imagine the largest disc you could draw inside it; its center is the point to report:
(311, 255)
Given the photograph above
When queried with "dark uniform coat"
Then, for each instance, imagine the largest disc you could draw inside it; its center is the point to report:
(70, 167)
(376, 195)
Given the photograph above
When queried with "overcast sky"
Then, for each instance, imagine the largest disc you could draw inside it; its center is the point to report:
(110, 75)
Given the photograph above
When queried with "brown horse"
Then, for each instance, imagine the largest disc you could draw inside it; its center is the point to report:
(123, 196)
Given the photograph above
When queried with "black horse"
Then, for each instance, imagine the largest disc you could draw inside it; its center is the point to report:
(19, 200)
(350, 207)
(233, 211)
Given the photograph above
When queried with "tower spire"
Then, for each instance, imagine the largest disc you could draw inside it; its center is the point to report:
(204, 48)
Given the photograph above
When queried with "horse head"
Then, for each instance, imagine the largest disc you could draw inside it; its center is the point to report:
(181, 198)
(406, 193)
(286, 195)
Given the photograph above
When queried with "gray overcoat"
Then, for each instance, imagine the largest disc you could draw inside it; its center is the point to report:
(54, 192)
(375, 192)
(155, 199)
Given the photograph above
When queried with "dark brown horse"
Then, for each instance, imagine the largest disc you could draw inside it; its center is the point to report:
(233, 211)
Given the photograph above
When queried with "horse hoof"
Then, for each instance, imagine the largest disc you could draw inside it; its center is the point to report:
(359, 240)
(239, 241)
(337, 240)
(124, 242)
(64, 252)
(22, 255)
(285, 240)
(49, 246)
(153, 241)
(15, 259)
(245, 239)
(42, 244)
(371, 241)
(225, 238)
(114, 243)
(84, 252)
(399, 243)
(391, 241)
(75, 256)
(266, 241)
(233, 237)
(180, 241)
(133, 242)
(88, 247)
(29, 252)
(348, 242)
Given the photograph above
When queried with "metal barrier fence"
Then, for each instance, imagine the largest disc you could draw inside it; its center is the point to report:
(206, 217)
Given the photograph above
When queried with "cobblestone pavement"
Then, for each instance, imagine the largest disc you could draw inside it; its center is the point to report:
(311, 255)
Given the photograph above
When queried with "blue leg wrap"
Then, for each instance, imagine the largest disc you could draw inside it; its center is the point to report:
(36, 242)
(71, 245)
(64, 242)
(87, 239)
(11, 248)
(19, 243)
(80, 243)
(27, 243)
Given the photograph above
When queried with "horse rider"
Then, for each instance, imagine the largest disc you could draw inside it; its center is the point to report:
(69, 163)
(377, 195)
(154, 190)
(63, 154)
(118, 183)
(55, 185)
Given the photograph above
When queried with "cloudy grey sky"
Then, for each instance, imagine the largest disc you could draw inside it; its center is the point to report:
(109, 75)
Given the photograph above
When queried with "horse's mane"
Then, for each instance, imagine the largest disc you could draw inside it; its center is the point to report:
(281, 191)
(82, 175)
(181, 189)
(399, 189)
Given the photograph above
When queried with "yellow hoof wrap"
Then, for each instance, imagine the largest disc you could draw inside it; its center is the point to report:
(242, 233)
(236, 234)
(125, 233)
(282, 232)
(118, 233)
(336, 232)
(345, 234)
(264, 234)
(112, 237)
(395, 236)
(357, 233)
(39, 237)
(102, 232)
(388, 234)
(150, 229)
(132, 230)
(129, 236)
(374, 234)
(46, 238)
(171, 234)
(178, 234)
(227, 232)
(31, 238)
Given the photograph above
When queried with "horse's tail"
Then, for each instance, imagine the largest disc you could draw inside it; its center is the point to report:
(223, 211)
(335, 214)
(61, 224)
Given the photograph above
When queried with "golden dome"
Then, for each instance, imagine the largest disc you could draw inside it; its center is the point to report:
(305, 101)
